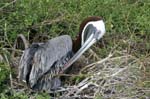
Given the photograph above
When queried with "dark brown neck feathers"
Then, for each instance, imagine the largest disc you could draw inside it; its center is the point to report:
(77, 41)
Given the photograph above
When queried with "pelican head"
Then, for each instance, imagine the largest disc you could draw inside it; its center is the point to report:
(91, 30)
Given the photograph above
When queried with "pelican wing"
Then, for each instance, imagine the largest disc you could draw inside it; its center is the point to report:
(44, 57)
(25, 63)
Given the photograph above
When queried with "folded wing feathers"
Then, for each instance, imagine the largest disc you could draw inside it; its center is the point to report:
(44, 58)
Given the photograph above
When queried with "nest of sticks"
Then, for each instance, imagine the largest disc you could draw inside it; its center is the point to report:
(113, 77)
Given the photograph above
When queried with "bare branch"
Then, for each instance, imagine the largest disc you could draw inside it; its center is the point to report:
(8, 4)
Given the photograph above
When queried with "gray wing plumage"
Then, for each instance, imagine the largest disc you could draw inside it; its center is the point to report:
(40, 58)
(25, 63)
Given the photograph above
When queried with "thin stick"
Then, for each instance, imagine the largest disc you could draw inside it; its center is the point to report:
(121, 70)
(7, 4)
(95, 55)
(25, 42)
(48, 22)
(98, 62)
(10, 75)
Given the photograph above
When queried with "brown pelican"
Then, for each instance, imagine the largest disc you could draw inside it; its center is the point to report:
(41, 62)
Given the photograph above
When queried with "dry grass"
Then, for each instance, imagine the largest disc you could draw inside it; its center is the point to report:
(115, 77)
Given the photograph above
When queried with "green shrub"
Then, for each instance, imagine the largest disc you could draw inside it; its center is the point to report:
(4, 76)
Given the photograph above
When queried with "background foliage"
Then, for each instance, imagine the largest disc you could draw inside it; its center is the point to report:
(127, 25)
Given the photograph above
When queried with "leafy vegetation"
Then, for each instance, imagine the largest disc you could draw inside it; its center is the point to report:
(4, 76)
(127, 25)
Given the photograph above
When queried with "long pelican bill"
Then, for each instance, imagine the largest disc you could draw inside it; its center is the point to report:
(90, 41)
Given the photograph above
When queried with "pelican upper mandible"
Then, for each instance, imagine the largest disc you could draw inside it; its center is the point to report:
(42, 61)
